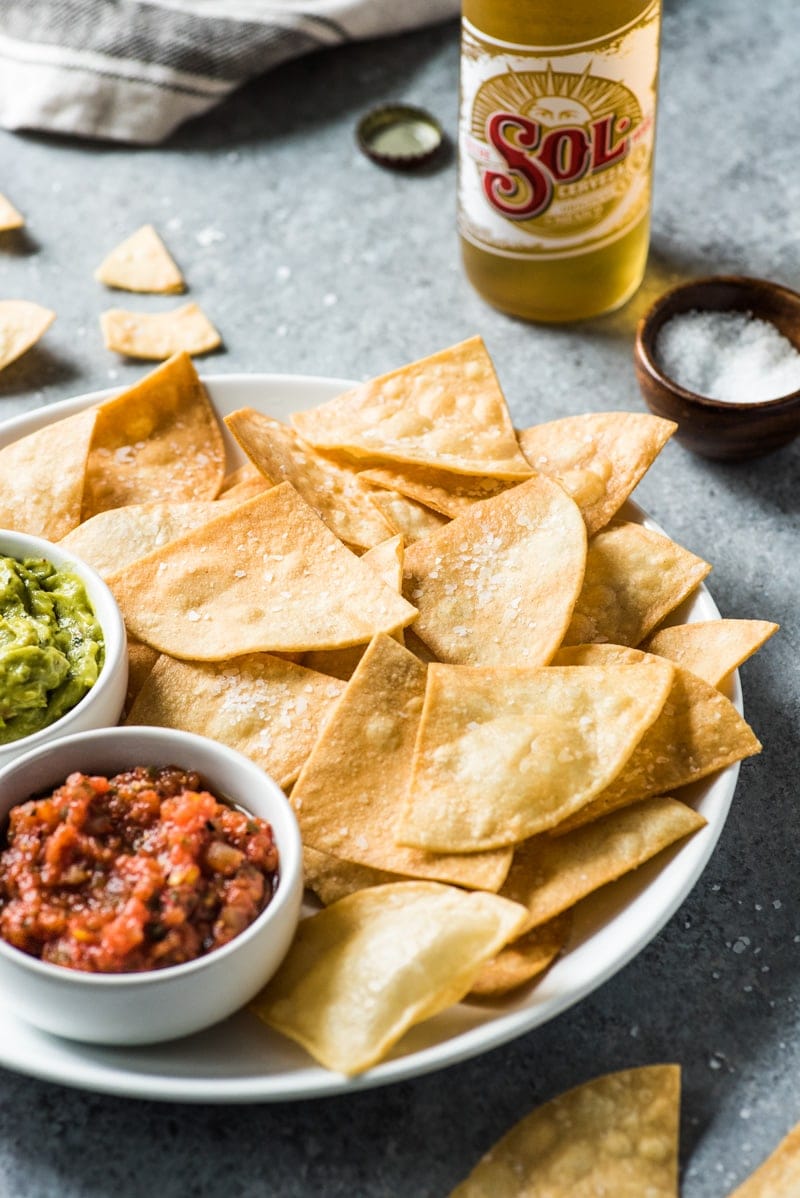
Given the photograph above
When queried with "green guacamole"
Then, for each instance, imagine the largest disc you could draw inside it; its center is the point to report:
(51, 645)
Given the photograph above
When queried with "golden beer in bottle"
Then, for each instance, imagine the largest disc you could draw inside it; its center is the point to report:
(556, 134)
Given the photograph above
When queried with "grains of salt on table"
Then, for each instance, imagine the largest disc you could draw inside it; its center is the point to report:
(729, 356)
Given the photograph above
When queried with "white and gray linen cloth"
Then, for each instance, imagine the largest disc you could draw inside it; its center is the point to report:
(133, 71)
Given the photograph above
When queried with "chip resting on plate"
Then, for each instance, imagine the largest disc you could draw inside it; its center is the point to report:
(711, 648)
(141, 263)
(331, 878)
(615, 1136)
(22, 323)
(443, 492)
(447, 410)
(269, 709)
(503, 754)
(499, 583)
(363, 971)
(265, 576)
(405, 515)
(159, 440)
(634, 578)
(351, 790)
(118, 536)
(524, 958)
(779, 1175)
(35, 498)
(598, 457)
(158, 335)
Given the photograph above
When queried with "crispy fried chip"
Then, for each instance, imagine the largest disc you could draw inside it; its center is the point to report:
(267, 708)
(9, 217)
(634, 578)
(598, 458)
(779, 1175)
(335, 492)
(22, 323)
(405, 515)
(447, 410)
(446, 493)
(711, 649)
(164, 419)
(550, 874)
(158, 335)
(364, 970)
(330, 878)
(113, 539)
(616, 1135)
(523, 959)
(36, 498)
(351, 789)
(141, 263)
(265, 576)
(499, 583)
(141, 659)
(698, 731)
(503, 754)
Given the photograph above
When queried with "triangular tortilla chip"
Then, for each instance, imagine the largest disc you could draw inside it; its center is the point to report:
(598, 458)
(499, 583)
(351, 790)
(503, 754)
(634, 578)
(22, 323)
(330, 878)
(334, 492)
(267, 708)
(113, 539)
(364, 970)
(141, 263)
(779, 1175)
(523, 959)
(406, 516)
(614, 1136)
(447, 409)
(141, 659)
(446, 493)
(265, 576)
(159, 440)
(42, 477)
(711, 649)
(9, 217)
(154, 336)
(698, 731)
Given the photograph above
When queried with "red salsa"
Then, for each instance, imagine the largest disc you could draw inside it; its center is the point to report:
(130, 873)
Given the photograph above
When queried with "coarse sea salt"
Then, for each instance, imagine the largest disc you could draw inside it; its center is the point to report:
(729, 356)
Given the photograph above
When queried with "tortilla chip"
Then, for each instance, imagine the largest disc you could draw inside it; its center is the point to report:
(158, 335)
(113, 539)
(499, 583)
(330, 878)
(503, 754)
(22, 323)
(616, 1135)
(364, 970)
(141, 263)
(779, 1175)
(267, 708)
(246, 473)
(9, 217)
(334, 492)
(446, 493)
(406, 516)
(598, 458)
(351, 789)
(143, 435)
(550, 874)
(698, 731)
(523, 959)
(35, 496)
(711, 649)
(634, 578)
(141, 659)
(265, 576)
(447, 409)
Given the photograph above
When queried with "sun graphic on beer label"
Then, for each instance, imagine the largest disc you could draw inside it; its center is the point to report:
(557, 151)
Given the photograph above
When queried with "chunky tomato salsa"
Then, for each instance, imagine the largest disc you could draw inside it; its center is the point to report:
(130, 873)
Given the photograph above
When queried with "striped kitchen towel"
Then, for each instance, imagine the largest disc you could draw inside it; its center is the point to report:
(133, 70)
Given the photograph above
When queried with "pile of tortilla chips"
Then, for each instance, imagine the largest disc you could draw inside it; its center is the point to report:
(438, 631)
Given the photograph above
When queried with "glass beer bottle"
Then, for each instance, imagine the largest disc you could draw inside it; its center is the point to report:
(556, 152)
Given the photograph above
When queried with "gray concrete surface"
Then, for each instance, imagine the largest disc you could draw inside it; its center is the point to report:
(310, 259)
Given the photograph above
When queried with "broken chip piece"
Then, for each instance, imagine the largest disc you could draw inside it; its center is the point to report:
(141, 263)
(158, 335)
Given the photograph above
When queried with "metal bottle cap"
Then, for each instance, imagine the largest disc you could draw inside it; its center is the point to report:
(399, 136)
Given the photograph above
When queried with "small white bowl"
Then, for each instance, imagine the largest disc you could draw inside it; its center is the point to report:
(102, 705)
(160, 1004)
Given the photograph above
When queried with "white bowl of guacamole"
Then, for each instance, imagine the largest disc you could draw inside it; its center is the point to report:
(63, 653)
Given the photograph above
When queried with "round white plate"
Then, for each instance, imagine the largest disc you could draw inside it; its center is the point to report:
(241, 1060)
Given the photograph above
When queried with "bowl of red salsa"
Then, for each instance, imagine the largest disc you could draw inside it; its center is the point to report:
(150, 884)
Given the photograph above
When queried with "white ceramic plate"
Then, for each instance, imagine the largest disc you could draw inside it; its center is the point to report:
(242, 1061)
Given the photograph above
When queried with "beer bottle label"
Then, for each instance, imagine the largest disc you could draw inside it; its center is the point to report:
(556, 143)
